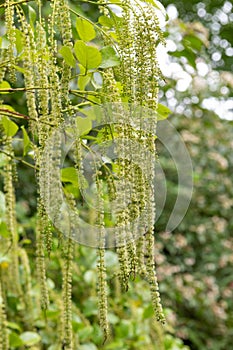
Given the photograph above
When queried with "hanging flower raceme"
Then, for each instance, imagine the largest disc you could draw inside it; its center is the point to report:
(138, 36)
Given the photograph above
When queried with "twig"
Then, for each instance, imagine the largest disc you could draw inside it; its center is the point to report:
(15, 3)
(23, 89)
(19, 159)
(14, 114)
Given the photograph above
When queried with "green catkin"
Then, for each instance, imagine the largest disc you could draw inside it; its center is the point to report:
(27, 289)
(101, 268)
(4, 338)
(64, 26)
(10, 213)
(43, 56)
(139, 35)
(121, 234)
(152, 277)
(55, 96)
(3, 63)
(10, 32)
(29, 64)
(67, 333)
(110, 89)
(40, 261)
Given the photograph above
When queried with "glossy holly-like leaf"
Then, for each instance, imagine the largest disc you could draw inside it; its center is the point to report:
(85, 29)
(88, 56)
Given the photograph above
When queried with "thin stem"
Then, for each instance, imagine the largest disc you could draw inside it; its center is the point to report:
(19, 159)
(95, 93)
(22, 116)
(15, 3)
(23, 89)
(13, 114)
(76, 93)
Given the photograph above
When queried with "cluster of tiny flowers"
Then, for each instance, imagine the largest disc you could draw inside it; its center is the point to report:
(67, 333)
(102, 276)
(10, 27)
(139, 36)
(4, 339)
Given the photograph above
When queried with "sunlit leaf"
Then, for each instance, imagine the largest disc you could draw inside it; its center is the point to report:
(109, 57)
(85, 29)
(105, 21)
(84, 125)
(163, 112)
(15, 340)
(69, 175)
(26, 141)
(3, 230)
(9, 126)
(67, 54)
(4, 85)
(30, 338)
(88, 56)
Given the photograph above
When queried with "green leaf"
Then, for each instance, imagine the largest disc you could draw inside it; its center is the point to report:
(148, 312)
(193, 42)
(15, 340)
(26, 141)
(85, 29)
(163, 112)
(84, 125)
(30, 338)
(10, 127)
(13, 325)
(4, 231)
(88, 56)
(7, 107)
(69, 175)
(5, 85)
(83, 80)
(97, 80)
(19, 69)
(109, 57)
(72, 189)
(85, 333)
(32, 15)
(19, 40)
(67, 54)
(105, 21)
